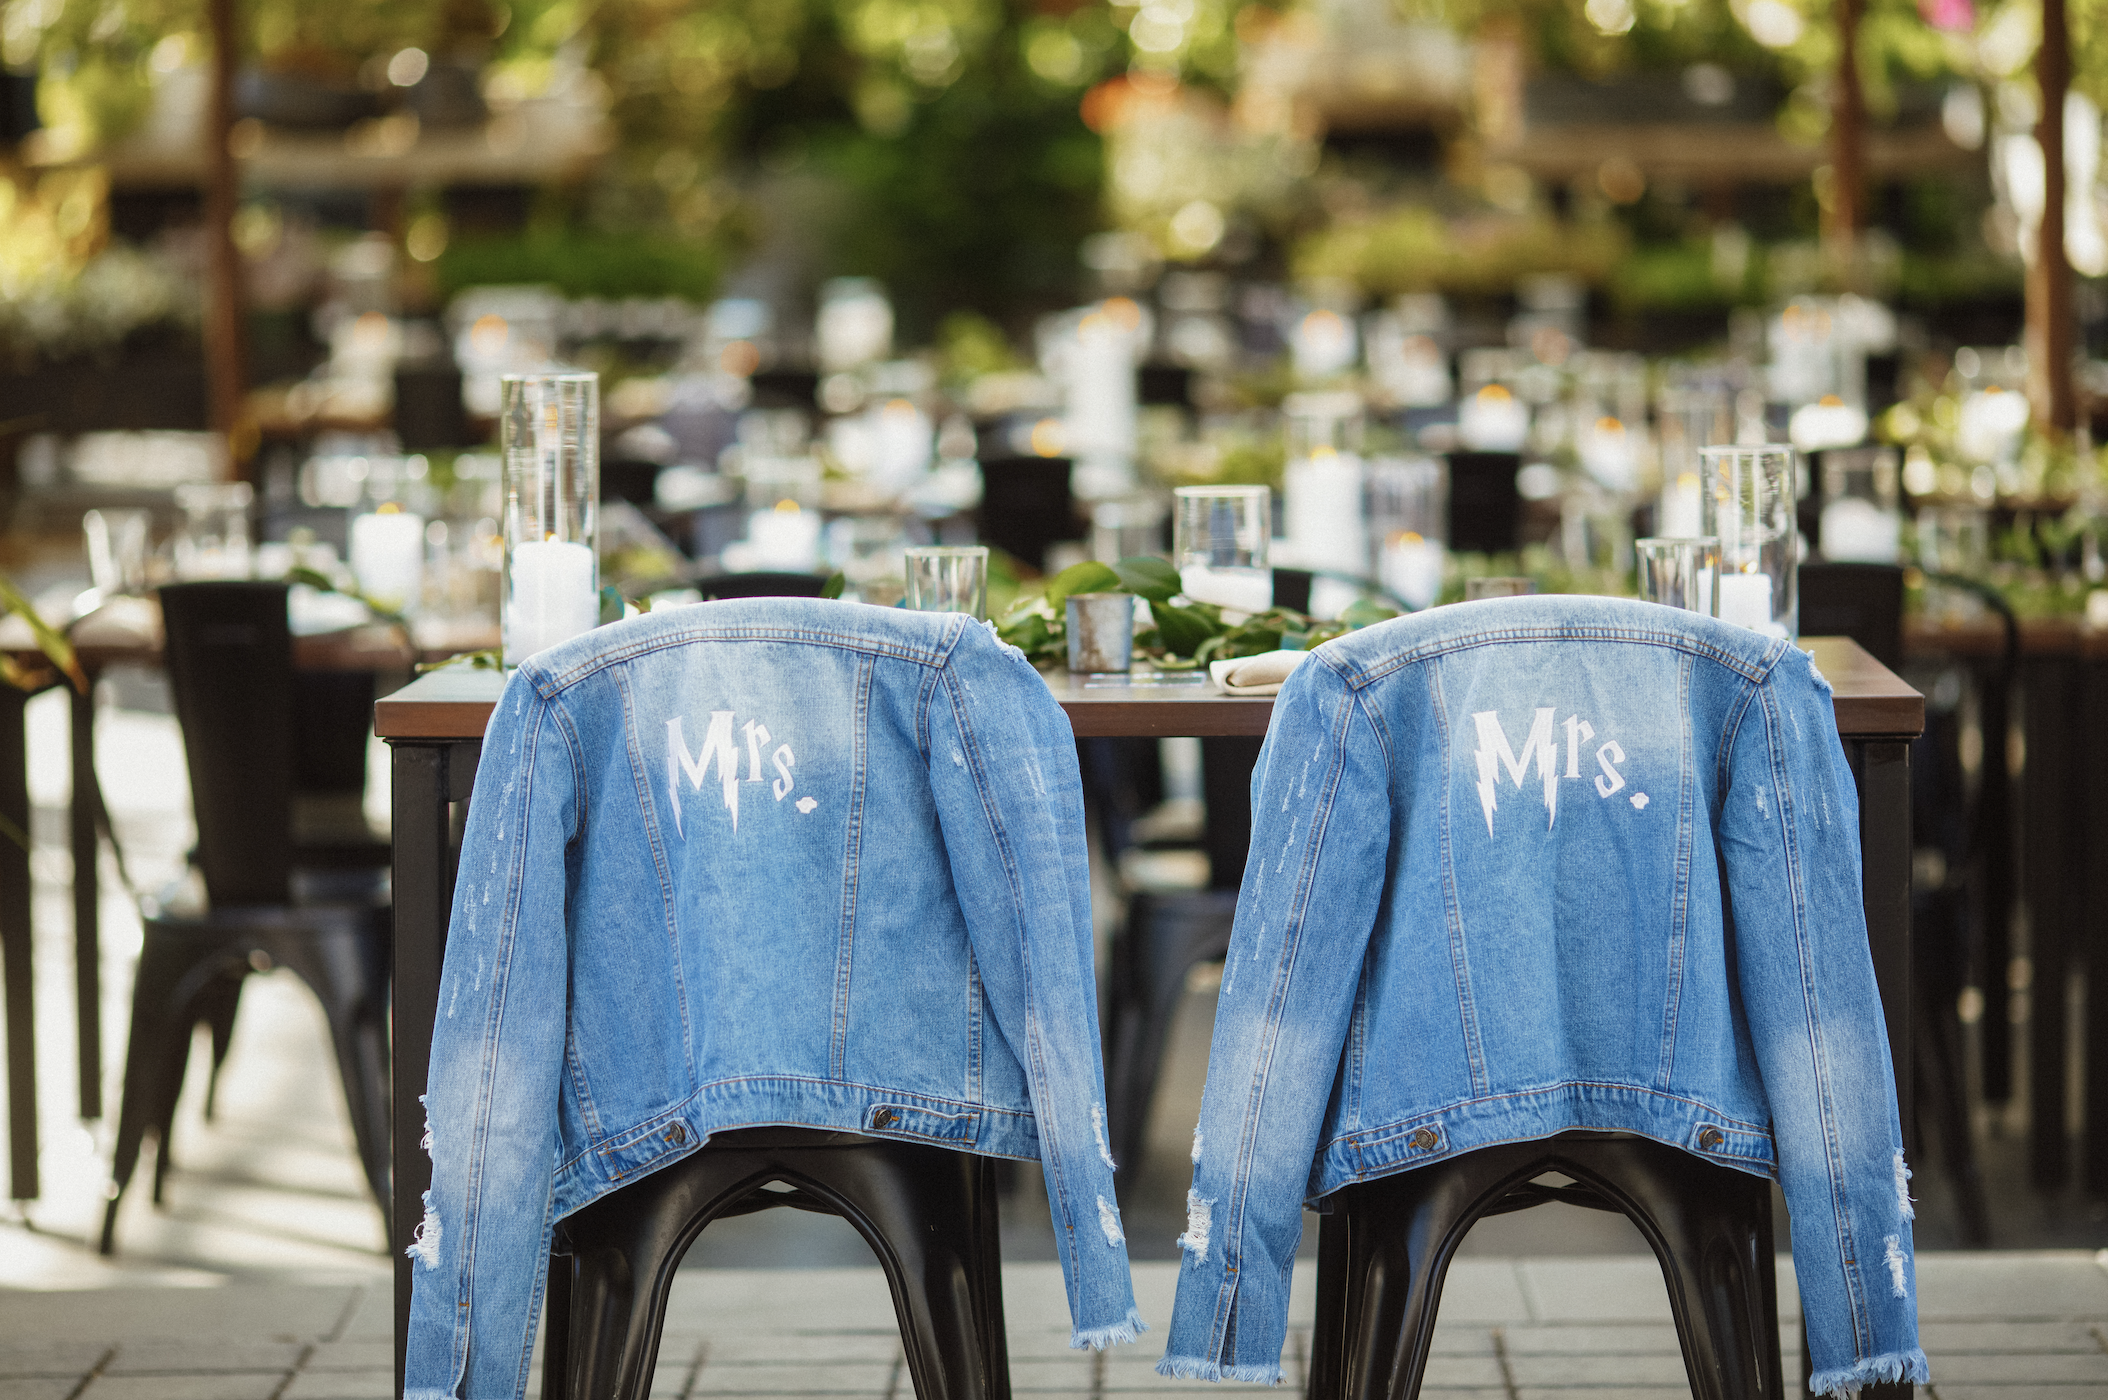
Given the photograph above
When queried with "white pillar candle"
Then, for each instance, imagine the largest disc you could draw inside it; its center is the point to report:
(785, 538)
(1745, 600)
(1681, 508)
(1239, 590)
(1608, 453)
(553, 596)
(1857, 531)
(1412, 568)
(1493, 420)
(388, 556)
(1323, 497)
(1102, 391)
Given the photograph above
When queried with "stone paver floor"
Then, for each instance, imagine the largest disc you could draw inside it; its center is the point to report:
(1997, 1326)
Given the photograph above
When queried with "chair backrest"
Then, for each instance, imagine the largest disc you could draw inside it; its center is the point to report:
(1860, 601)
(763, 583)
(229, 654)
(1485, 509)
(1026, 505)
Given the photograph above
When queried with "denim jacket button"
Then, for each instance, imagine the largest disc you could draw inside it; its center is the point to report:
(1710, 1138)
(1425, 1139)
(883, 1118)
(677, 1135)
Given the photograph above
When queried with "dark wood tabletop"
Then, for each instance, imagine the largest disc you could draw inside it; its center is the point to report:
(455, 703)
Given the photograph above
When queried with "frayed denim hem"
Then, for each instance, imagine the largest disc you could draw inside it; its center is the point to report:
(1099, 1338)
(1194, 1368)
(1896, 1366)
(428, 1395)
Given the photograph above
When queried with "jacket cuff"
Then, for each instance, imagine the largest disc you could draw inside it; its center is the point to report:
(1199, 1368)
(1099, 1338)
(1895, 1366)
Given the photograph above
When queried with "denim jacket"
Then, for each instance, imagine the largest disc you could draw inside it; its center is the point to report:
(1537, 864)
(771, 861)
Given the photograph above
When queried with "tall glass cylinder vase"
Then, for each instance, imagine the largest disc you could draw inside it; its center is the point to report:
(549, 433)
(1748, 505)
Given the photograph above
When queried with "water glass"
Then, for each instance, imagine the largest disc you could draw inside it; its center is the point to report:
(1861, 522)
(948, 578)
(1220, 538)
(117, 550)
(1409, 526)
(1679, 572)
(1498, 586)
(212, 540)
(1748, 504)
(549, 438)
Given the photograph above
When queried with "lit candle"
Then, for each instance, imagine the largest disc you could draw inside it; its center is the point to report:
(388, 555)
(1240, 590)
(786, 538)
(1102, 391)
(1681, 507)
(1608, 454)
(1828, 422)
(1745, 600)
(1412, 568)
(1493, 420)
(553, 596)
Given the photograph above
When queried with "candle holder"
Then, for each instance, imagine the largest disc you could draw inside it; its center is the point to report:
(1748, 504)
(948, 578)
(549, 436)
(1679, 572)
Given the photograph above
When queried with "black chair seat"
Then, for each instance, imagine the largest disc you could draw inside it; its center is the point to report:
(1386, 1245)
(928, 1213)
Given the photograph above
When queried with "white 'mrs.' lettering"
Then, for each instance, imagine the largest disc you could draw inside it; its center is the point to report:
(718, 746)
(757, 734)
(783, 760)
(1494, 750)
(1611, 779)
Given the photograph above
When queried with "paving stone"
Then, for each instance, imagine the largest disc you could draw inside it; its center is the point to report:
(236, 1312)
(862, 1378)
(20, 1359)
(1049, 1342)
(342, 1385)
(1429, 1392)
(1953, 1338)
(2047, 1284)
(210, 1358)
(1451, 1372)
(37, 1387)
(1479, 1290)
(195, 1387)
(2041, 1368)
(1047, 1373)
(1639, 1392)
(759, 1348)
(1607, 1289)
(1598, 1370)
(362, 1355)
(1602, 1338)
(2026, 1391)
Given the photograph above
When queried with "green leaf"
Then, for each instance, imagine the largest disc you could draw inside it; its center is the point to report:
(1149, 578)
(1088, 577)
(610, 604)
(1183, 629)
(1366, 612)
(1028, 634)
(836, 582)
(50, 640)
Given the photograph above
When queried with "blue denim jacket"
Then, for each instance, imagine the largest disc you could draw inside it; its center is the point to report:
(778, 861)
(1536, 864)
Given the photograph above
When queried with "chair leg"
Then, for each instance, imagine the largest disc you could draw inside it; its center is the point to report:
(1164, 937)
(345, 965)
(217, 1010)
(1711, 1229)
(174, 972)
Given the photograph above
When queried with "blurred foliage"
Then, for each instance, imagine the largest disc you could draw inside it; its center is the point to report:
(583, 264)
(1414, 249)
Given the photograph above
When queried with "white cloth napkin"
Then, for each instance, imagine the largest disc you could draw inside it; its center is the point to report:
(1254, 675)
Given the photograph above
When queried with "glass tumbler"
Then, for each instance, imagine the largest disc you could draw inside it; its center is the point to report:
(949, 578)
(549, 438)
(117, 550)
(1219, 541)
(212, 540)
(1748, 502)
(1679, 573)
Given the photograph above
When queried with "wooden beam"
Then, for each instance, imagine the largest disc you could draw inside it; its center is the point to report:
(1845, 212)
(225, 354)
(2051, 328)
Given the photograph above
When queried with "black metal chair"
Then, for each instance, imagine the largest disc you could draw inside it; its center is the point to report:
(928, 1213)
(229, 660)
(762, 584)
(1385, 1247)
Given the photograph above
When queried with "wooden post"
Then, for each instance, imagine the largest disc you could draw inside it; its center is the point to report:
(225, 353)
(1846, 213)
(2050, 317)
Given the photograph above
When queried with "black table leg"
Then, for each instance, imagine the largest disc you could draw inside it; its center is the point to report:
(2052, 808)
(1881, 767)
(15, 943)
(2092, 937)
(427, 779)
(87, 904)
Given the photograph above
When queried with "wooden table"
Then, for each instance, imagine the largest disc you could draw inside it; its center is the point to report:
(434, 728)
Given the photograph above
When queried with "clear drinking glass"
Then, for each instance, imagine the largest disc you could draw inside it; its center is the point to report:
(1861, 522)
(1748, 503)
(1409, 525)
(1679, 573)
(549, 437)
(212, 540)
(117, 550)
(948, 578)
(1220, 538)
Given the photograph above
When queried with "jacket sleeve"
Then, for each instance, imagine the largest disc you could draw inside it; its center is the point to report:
(1010, 801)
(491, 1103)
(1321, 827)
(1789, 833)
